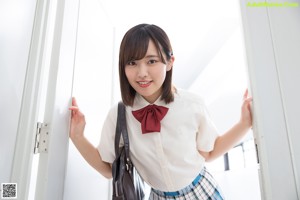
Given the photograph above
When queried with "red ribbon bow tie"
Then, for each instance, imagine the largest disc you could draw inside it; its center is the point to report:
(150, 117)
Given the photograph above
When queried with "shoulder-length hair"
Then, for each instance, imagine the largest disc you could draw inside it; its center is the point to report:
(134, 46)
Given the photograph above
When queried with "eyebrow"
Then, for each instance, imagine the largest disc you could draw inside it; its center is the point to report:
(150, 56)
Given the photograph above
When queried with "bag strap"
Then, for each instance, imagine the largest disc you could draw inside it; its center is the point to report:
(118, 132)
(121, 128)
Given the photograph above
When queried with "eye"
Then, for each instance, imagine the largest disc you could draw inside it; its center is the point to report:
(152, 61)
(131, 63)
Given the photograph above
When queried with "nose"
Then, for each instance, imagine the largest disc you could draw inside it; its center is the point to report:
(142, 71)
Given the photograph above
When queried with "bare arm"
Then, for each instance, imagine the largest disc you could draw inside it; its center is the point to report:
(86, 149)
(229, 139)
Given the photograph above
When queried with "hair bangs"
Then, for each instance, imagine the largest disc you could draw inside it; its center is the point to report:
(136, 47)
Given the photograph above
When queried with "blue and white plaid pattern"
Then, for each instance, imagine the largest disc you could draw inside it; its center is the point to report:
(204, 187)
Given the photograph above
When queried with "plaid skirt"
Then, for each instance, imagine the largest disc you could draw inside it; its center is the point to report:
(204, 187)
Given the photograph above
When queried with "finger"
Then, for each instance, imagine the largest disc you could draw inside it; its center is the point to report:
(73, 108)
(74, 102)
(247, 103)
(246, 94)
(249, 99)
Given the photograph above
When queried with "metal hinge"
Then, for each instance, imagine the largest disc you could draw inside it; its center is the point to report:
(41, 138)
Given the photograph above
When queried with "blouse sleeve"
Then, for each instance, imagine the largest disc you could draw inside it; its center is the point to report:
(106, 145)
(207, 132)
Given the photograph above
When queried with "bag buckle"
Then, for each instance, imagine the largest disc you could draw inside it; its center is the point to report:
(128, 165)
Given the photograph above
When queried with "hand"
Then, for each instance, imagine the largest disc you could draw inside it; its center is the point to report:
(77, 121)
(246, 114)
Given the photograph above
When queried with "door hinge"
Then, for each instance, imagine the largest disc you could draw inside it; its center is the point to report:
(41, 138)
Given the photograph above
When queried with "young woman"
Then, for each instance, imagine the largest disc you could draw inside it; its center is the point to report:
(171, 135)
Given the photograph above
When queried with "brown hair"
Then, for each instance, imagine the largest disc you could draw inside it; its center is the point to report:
(134, 46)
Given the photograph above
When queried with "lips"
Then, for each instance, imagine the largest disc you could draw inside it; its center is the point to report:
(144, 84)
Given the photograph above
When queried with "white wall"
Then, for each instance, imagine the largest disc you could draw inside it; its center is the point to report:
(222, 84)
(15, 36)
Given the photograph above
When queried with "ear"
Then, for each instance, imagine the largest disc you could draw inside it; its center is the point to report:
(170, 63)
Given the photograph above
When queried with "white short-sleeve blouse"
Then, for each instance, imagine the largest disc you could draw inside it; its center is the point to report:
(167, 160)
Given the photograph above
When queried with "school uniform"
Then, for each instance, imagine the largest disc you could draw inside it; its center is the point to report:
(169, 160)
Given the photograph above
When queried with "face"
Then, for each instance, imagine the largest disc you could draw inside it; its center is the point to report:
(147, 75)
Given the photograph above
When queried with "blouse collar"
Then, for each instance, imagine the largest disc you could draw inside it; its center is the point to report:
(140, 102)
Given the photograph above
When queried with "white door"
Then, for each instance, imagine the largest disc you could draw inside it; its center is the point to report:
(272, 41)
(58, 53)
(52, 164)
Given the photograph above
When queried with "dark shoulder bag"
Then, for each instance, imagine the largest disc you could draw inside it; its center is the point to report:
(127, 184)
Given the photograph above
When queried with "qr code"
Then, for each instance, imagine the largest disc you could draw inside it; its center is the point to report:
(9, 190)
